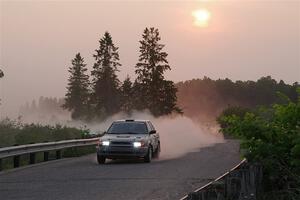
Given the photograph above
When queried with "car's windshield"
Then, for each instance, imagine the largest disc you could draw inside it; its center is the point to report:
(128, 128)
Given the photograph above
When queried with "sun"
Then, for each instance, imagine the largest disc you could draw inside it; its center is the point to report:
(201, 17)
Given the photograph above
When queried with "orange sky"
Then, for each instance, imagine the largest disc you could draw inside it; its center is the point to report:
(243, 40)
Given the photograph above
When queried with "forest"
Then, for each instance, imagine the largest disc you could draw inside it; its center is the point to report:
(204, 99)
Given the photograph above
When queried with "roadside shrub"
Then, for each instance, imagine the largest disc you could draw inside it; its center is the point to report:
(12, 132)
(8, 131)
(271, 136)
(234, 110)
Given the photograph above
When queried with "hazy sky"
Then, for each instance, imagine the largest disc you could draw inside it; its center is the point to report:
(243, 40)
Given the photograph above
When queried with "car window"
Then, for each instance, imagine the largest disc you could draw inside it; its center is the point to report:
(128, 128)
(151, 125)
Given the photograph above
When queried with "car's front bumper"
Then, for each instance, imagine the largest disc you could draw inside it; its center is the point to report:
(122, 151)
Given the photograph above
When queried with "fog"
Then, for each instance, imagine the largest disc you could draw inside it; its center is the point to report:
(243, 40)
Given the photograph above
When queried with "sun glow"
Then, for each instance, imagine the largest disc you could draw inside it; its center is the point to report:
(201, 17)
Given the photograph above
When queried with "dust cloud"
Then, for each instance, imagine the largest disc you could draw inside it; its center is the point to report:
(179, 135)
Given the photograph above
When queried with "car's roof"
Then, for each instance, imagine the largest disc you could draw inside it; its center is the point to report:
(132, 120)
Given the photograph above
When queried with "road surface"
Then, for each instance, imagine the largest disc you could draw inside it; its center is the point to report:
(82, 178)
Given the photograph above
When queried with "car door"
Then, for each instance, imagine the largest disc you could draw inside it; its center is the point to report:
(154, 136)
(151, 136)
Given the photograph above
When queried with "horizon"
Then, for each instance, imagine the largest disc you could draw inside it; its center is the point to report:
(251, 49)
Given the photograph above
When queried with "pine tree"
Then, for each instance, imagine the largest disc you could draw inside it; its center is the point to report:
(77, 96)
(127, 93)
(139, 98)
(33, 107)
(105, 83)
(1, 75)
(154, 92)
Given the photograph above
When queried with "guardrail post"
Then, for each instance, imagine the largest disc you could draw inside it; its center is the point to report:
(31, 158)
(16, 161)
(58, 154)
(46, 156)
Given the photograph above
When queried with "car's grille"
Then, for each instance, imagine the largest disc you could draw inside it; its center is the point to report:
(120, 152)
(121, 143)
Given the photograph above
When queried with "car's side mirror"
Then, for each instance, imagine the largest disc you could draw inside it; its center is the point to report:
(152, 132)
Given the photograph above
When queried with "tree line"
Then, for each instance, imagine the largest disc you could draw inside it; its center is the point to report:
(1, 76)
(49, 105)
(207, 98)
(101, 94)
(199, 98)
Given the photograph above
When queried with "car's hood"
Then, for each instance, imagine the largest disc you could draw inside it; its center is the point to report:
(124, 137)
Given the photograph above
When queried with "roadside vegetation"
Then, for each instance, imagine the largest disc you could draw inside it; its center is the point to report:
(270, 135)
(13, 132)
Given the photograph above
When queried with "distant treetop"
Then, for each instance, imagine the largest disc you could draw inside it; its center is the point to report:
(1, 73)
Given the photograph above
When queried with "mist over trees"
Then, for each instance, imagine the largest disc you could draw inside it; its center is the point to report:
(205, 99)
(200, 99)
(46, 109)
(102, 94)
(108, 96)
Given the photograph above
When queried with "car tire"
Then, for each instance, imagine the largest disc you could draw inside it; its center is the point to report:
(100, 159)
(148, 157)
(157, 151)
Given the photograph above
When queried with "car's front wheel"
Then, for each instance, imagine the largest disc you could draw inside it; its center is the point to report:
(148, 157)
(157, 151)
(100, 159)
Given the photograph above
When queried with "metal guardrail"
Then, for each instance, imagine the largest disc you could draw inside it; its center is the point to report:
(216, 180)
(31, 149)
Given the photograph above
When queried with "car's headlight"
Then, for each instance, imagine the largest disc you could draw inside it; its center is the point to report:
(138, 144)
(105, 143)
